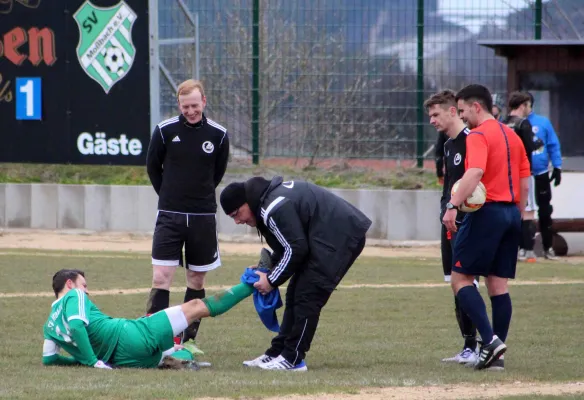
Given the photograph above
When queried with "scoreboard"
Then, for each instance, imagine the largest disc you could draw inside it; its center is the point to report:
(74, 81)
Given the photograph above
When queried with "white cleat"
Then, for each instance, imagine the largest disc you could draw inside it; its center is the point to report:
(256, 362)
(280, 364)
(466, 356)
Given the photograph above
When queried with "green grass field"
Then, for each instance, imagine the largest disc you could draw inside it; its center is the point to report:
(367, 338)
(340, 176)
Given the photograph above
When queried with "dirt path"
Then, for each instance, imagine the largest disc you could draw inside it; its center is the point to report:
(142, 243)
(448, 392)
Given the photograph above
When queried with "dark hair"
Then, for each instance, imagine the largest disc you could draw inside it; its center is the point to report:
(62, 276)
(476, 93)
(531, 98)
(444, 98)
(516, 99)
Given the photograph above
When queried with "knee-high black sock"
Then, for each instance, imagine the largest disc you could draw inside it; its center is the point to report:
(467, 328)
(502, 310)
(192, 329)
(528, 229)
(158, 300)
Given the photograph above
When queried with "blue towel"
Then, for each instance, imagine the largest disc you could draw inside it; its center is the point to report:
(265, 305)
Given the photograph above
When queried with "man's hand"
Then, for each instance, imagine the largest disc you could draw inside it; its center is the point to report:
(101, 365)
(556, 176)
(263, 285)
(441, 180)
(449, 220)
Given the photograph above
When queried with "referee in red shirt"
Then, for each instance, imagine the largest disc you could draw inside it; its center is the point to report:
(488, 239)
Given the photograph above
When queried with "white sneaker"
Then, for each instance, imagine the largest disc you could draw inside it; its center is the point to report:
(550, 255)
(521, 256)
(530, 256)
(256, 362)
(466, 356)
(280, 364)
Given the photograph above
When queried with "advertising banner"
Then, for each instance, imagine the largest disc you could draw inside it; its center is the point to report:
(74, 81)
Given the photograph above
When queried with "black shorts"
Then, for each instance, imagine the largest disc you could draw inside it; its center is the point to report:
(198, 234)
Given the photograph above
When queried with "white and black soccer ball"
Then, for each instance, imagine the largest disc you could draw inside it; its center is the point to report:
(114, 59)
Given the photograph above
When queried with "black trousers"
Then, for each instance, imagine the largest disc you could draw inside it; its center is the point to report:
(543, 198)
(304, 302)
(446, 245)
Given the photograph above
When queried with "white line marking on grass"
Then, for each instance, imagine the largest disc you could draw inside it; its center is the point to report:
(349, 287)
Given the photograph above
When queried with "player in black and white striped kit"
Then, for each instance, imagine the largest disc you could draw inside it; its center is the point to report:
(441, 108)
(186, 161)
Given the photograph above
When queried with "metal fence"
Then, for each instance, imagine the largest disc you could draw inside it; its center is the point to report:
(341, 78)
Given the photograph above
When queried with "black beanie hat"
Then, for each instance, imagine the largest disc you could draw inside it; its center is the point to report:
(233, 197)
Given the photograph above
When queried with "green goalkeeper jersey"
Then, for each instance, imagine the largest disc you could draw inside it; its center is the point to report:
(102, 330)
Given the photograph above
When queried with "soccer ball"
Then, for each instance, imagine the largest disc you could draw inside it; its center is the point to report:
(475, 201)
(114, 59)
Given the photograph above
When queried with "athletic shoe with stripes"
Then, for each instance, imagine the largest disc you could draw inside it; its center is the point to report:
(256, 362)
(490, 352)
(466, 356)
(281, 364)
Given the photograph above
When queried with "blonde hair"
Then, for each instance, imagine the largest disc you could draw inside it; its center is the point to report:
(189, 86)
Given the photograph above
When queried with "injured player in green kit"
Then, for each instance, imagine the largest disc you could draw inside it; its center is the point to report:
(97, 340)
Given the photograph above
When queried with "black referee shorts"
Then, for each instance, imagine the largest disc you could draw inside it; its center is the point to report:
(198, 234)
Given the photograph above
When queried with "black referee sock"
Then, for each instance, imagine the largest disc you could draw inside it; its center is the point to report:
(158, 300)
(192, 329)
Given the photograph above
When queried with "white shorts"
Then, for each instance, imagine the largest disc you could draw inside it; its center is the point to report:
(531, 204)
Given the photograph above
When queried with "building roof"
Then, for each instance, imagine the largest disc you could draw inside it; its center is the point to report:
(508, 48)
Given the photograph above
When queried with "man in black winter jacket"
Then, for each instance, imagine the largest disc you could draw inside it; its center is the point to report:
(315, 236)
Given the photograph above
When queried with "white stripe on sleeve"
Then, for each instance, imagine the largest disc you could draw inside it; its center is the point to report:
(285, 260)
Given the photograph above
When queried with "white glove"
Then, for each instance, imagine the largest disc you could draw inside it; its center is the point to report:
(100, 364)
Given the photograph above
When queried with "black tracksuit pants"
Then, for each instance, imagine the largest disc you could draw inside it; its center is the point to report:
(543, 198)
(304, 302)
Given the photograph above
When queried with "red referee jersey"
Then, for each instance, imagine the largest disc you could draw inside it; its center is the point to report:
(498, 151)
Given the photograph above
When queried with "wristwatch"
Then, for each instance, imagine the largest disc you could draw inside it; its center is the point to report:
(450, 206)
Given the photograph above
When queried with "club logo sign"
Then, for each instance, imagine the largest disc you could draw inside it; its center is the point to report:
(105, 49)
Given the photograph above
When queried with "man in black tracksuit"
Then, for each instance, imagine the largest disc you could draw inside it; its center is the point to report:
(315, 236)
(441, 108)
(186, 161)
(439, 153)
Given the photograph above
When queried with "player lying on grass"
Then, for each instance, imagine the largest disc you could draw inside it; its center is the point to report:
(96, 340)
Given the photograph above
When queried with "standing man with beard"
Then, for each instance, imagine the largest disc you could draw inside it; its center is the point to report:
(441, 108)
(186, 161)
(488, 239)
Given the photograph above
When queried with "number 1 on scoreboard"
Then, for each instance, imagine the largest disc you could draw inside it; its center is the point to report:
(28, 99)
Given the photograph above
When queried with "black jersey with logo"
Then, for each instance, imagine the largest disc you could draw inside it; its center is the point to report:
(186, 162)
(454, 155)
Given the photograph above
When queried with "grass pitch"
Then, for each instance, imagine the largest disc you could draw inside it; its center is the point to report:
(368, 337)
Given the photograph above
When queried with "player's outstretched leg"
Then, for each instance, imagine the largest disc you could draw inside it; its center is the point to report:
(212, 306)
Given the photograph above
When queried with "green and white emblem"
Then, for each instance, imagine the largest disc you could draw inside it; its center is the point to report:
(105, 49)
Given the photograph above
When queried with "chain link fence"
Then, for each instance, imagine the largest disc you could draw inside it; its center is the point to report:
(341, 78)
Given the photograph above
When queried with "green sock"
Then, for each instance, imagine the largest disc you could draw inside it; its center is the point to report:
(225, 300)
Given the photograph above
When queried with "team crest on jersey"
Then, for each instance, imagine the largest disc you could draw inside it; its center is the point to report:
(105, 49)
(457, 158)
(535, 129)
(208, 147)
